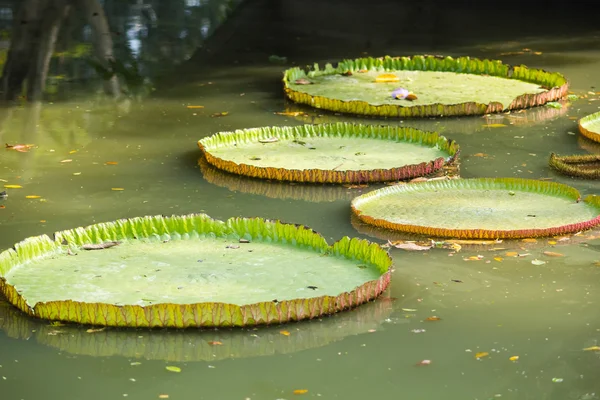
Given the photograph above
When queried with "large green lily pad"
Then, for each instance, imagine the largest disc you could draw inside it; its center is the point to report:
(443, 86)
(331, 153)
(589, 126)
(484, 208)
(184, 271)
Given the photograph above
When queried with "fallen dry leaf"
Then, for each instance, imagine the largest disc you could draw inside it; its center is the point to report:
(215, 343)
(111, 163)
(423, 363)
(2, 206)
(410, 246)
(553, 254)
(529, 240)
(163, 396)
(13, 186)
(23, 148)
(220, 114)
(511, 254)
(68, 160)
(173, 368)
(195, 107)
(387, 78)
(469, 241)
(292, 113)
(513, 358)
(482, 354)
(117, 189)
(300, 391)
(494, 125)
(483, 155)
(593, 348)
(94, 330)
(433, 318)
(499, 259)
(284, 333)
(31, 196)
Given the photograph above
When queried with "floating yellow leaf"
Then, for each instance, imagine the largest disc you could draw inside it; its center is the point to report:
(482, 155)
(300, 391)
(551, 242)
(514, 358)
(529, 240)
(66, 161)
(13, 186)
(433, 318)
(537, 53)
(163, 396)
(91, 330)
(499, 259)
(284, 333)
(220, 114)
(117, 189)
(482, 354)
(474, 258)
(511, 254)
(32, 196)
(593, 348)
(553, 254)
(387, 78)
(194, 107)
(76, 173)
(215, 343)
(73, 151)
(111, 163)
(291, 113)
(494, 126)
(173, 368)
(2, 206)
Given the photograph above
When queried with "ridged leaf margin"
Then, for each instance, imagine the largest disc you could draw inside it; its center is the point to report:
(584, 128)
(336, 130)
(568, 165)
(517, 184)
(198, 314)
(556, 85)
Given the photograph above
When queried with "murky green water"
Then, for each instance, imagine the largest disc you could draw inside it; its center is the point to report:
(544, 314)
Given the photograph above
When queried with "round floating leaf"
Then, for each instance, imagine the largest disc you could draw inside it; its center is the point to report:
(480, 208)
(190, 271)
(330, 153)
(582, 166)
(438, 86)
(192, 345)
(590, 126)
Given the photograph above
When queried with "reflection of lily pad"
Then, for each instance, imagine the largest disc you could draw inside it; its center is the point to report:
(444, 86)
(480, 208)
(193, 345)
(589, 126)
(185, 271)
(315, 193)
(335, 153)
(583, 166)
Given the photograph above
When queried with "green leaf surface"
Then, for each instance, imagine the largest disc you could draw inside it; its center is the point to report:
(493, 208)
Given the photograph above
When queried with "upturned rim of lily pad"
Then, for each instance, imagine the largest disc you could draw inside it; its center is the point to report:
(190, 345)
(555, 84)
(585, 129)
(201, 314)
(512, 184)
(339, 130)
(570, 165)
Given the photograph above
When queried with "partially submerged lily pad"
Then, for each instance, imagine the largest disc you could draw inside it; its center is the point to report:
(442, 86)
(582, 166)
(330, 153)
(190, 271)
(589, 126)
(486, 208)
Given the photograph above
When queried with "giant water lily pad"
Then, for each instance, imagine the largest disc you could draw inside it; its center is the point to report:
(190, 271)
(443, 86)
(484, 208)
(589, 126)
(582, 166)
(330, 153)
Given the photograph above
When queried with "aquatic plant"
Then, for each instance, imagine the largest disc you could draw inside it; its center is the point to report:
(365, 86)
(486, 208)
(190, 271)
(589, 126)
(582, 166)
(330, 153)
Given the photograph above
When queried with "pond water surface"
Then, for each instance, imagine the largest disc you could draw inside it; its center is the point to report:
(501, 305)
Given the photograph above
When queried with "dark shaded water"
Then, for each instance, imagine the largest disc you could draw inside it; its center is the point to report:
(544, 314)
